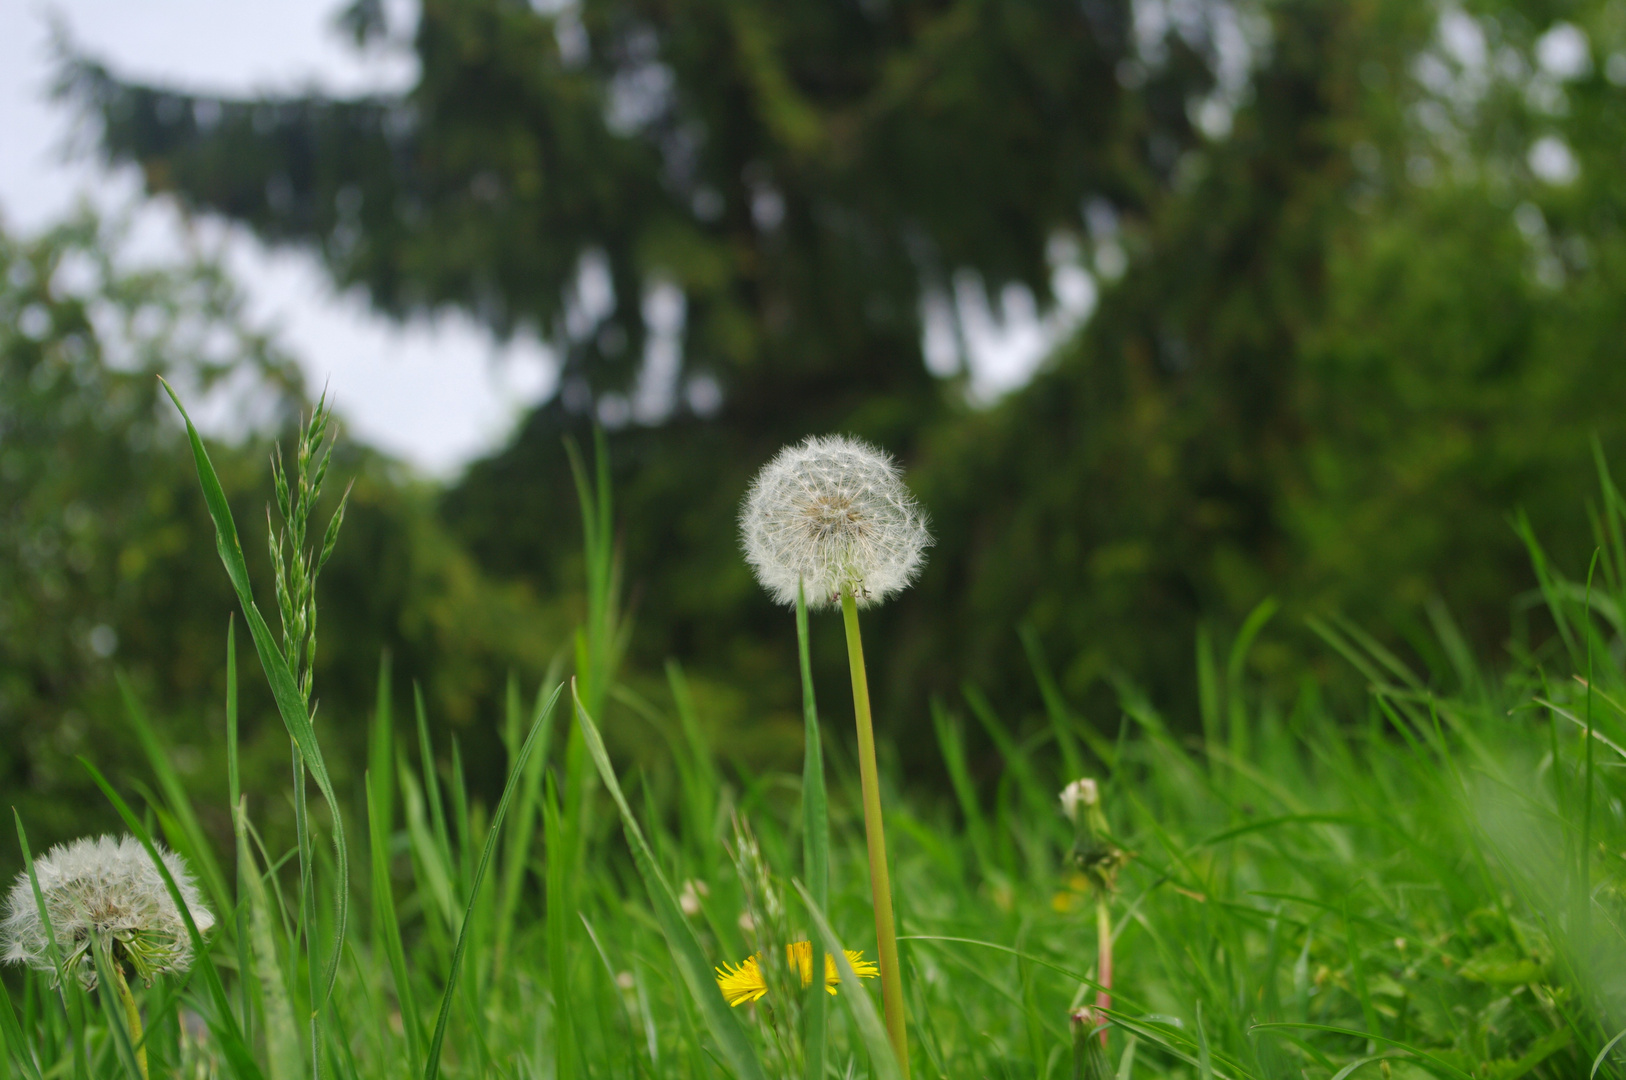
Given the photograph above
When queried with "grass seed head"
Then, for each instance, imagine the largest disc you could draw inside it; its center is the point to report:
(833, 511)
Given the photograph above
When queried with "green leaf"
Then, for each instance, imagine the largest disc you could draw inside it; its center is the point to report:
(117, 1025)
(258, 955)
(432, 1066)
(870, 1026)
(289, 702)
(389, 929)
(67, 994)
(736, 1050)
(1424, 1058)
(815, 843)
(199, 854)
(13, 1034)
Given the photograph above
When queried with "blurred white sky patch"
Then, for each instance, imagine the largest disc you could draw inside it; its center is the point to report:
(999, 345)
(437, 393)
(1552, 160)
(1563, 52)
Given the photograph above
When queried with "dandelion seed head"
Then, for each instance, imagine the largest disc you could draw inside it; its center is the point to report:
(833, 511)
(99, 887)
(1084, 792)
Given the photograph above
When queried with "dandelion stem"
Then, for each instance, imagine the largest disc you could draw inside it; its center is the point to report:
(886, 935)
(132, 1014)
(1103, 935)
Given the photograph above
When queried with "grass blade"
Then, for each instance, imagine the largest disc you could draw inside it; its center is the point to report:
(516, 854)
(558, 871)
(815, 844)
(871, 1029)
(388, 928)
(18, 1046)
(432, 1066)
(71, 1001)
(736, 1050)
(290, 704)
(1423, 1057)
(201, 856)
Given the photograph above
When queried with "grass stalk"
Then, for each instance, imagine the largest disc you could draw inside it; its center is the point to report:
(1103, 937)
(132, 1015)
(886, 934)
(815, 847)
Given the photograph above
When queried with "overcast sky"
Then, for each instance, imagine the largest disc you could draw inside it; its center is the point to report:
(437, 394)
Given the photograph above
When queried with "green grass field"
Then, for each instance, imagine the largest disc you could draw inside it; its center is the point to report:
(1429, 886)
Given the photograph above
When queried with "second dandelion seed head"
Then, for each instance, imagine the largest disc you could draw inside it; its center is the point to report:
(833, 512)
(107, 891)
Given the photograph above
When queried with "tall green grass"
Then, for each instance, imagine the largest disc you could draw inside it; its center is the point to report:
(1428, 886)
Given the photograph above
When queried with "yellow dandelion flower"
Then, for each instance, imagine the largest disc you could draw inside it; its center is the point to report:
(741, 983)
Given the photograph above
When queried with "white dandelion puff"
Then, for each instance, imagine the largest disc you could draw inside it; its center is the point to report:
(833, 511)
(108, 890)
(1083, 792)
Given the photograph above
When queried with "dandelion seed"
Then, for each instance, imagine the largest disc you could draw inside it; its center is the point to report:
(689, 898)
(741, 983)
(1083, 792)
(107, 889)
(833, 511)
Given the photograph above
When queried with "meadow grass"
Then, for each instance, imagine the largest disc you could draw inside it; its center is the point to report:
(1429, 886)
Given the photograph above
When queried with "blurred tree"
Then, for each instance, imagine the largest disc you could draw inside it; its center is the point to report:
(107, 560)
(800, 171)
(1347, 323)
(1374, 325)
(724, 217)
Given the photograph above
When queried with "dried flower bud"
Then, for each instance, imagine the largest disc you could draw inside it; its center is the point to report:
(832, 512)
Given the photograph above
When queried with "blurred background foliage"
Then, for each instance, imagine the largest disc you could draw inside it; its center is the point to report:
(103, 526)
(1359, 302)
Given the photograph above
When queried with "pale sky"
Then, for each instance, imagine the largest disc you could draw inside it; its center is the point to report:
(437, 394)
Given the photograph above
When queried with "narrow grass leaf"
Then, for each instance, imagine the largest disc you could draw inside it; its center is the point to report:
(815, 844)
(117, 1023)
(432, 1065)
(290, 704)
(871, 1028)
(284, 1059)
(1597, 1062)
(17, 1045)
(1424, 1058)
(737, 1052)
(200, 855)
(70, 1000)
(388, 926)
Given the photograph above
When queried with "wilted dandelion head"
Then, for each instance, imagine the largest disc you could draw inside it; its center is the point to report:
(833, 511)
(106, 889)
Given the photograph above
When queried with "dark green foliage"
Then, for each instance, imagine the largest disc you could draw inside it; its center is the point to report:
(95, 486)
(1356, 332)
(1323, 380)
(799, 170)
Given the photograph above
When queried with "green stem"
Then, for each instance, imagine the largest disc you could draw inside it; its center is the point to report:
(886, 934)
(815, 849)
(132, 1015)
(1103, 936)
